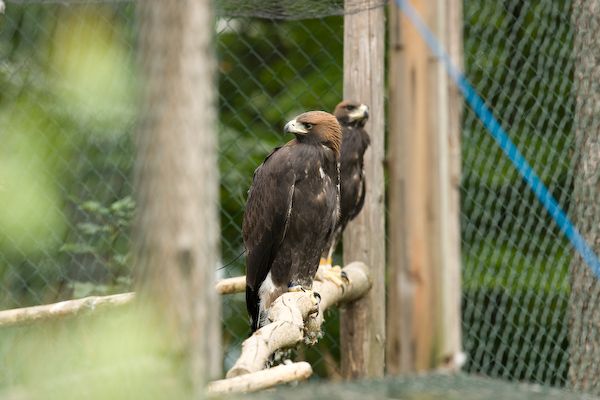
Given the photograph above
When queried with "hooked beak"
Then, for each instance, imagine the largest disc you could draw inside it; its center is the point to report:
(360, 113)
(295, 127)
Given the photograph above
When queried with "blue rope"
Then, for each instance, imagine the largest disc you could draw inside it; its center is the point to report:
(493, 126)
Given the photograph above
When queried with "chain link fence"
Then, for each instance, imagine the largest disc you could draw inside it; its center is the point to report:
(518, 55)
(68, 107)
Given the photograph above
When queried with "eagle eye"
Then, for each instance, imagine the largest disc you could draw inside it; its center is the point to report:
(350, 107)
(308, 125)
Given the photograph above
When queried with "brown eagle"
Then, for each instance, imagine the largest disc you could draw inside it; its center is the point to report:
(352, 116)
(291, 212)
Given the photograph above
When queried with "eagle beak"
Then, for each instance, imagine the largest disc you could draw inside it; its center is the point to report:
(362, 112)
(295, 127)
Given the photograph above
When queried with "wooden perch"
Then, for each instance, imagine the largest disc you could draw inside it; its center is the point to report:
(70, 307)
(231, 285)
(288, 315)
(262, 379)
(65, 308)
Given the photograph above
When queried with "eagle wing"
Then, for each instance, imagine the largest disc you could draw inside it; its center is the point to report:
(267, 214)
(354, 188)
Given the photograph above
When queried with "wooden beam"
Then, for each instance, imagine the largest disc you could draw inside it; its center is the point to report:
(449, 23)
(176, 233)
(362, 329)
(424, 148)
(583, 311)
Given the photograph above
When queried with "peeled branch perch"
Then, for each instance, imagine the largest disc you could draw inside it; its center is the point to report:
(24, 315)
(288, 315)
(69, 307)
(262, 379)
(231, 285)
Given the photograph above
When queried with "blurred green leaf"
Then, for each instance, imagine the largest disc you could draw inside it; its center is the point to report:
(78, 248)
(89, 228)
(94, 207)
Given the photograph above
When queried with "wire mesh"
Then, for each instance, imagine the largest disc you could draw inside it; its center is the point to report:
(518, 55)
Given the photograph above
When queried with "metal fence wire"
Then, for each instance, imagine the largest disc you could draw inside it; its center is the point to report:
(69, 105)
(516, 289)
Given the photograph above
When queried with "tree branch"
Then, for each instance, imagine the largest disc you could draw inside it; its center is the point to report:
(231, 285)
(262, 379)
(24, 315)
(290, 312)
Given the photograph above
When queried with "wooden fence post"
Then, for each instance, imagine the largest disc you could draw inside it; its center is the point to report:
(362, 330)
(177, 227)
(584, 314)
(424, 329)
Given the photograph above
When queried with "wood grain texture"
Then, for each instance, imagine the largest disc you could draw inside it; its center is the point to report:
(261, 380)
(231, 285)
(424, 154)
(25, 315)
(362, 329)
(176, 235)
(584, 297)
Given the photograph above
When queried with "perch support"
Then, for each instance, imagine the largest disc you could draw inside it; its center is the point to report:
(288, 315)
(262, 379)
(231, 285)
(24, 315)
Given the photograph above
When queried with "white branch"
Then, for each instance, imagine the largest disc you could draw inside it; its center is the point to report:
(288, 315)
(18, 316)
(70, 307)
(231, 285)
(262, 379)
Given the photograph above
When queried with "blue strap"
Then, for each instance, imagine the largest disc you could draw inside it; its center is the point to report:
(492, 125)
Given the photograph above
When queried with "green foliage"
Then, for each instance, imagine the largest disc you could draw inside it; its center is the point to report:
(105, 236)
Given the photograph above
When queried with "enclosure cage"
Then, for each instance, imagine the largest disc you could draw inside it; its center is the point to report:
(70, 93)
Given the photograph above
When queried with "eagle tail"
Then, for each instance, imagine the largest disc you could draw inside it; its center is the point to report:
(252, 304)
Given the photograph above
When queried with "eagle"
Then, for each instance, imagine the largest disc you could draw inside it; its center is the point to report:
(352, 116)
(291, 212)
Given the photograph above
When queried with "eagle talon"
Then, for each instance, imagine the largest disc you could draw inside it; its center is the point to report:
(296, 288)
(345, 278)
(333, 274)
(316, 298)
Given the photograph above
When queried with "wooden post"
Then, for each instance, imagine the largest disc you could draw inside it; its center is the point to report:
(584, 313)
(423, 328)
(177, 227)
(362, 330)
